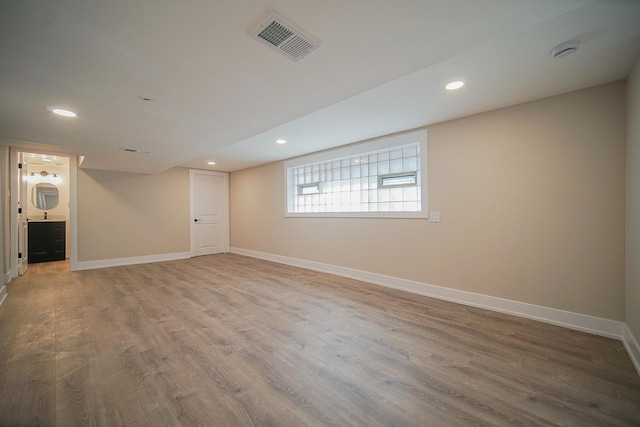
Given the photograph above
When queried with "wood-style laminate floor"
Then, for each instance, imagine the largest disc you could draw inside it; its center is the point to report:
(226, 340)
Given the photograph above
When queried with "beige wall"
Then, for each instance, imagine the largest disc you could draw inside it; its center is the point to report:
(124, 215)
(531, 200)
(632, 281)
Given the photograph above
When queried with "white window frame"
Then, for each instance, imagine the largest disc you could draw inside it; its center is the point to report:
(382, 143)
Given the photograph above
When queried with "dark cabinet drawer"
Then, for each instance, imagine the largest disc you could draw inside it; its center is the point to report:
(46, 241)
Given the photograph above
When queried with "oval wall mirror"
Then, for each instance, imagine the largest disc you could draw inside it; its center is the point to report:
(44, 196)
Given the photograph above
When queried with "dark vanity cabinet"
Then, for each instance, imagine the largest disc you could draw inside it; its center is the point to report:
(46, 241)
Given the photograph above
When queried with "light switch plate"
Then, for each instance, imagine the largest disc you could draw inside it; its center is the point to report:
(434, 216)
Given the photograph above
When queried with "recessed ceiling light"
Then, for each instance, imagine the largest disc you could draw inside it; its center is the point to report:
(62, 112)
(281, 141)
(211, 163)
(456, 84)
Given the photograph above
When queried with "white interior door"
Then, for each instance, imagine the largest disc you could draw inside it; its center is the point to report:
(209, 212)
(23, 224)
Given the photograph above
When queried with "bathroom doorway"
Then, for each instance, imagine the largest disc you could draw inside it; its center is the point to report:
(43, 198)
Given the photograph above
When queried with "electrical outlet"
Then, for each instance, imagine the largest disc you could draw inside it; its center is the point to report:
(434, 216)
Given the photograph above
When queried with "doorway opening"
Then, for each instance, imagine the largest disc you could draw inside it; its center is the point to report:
(43, 200)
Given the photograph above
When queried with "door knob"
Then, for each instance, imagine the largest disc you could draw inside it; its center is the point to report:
(196, 220)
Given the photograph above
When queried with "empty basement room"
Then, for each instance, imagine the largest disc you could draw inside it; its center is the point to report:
(284, 213)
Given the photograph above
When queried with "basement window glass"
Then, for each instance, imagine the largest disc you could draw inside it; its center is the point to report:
(381, 178)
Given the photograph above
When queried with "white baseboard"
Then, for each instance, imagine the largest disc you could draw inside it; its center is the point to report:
(632, 347)
(117, 262)
(567, 319)
(6, 278)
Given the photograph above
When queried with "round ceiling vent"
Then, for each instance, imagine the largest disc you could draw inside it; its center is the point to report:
(565, 49)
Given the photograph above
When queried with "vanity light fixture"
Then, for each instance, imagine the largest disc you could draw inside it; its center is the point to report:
(281, 141)
(456, 84)
(45, 173)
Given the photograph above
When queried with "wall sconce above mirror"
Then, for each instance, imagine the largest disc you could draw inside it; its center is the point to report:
(44, 173)
(44, 176)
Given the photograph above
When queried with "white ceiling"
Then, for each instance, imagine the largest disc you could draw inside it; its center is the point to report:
(219, 95)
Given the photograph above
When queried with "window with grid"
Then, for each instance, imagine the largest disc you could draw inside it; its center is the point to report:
(383, 178)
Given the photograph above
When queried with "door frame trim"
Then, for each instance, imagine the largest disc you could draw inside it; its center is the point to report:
(192, 227)
(13, 209)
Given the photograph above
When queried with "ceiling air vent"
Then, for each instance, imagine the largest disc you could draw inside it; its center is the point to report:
(284, 37)
(135, 150)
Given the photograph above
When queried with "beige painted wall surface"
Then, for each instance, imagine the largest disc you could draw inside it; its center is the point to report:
(531, 199)
(124, 215)
(632, 281)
